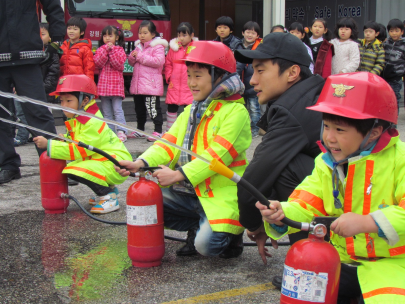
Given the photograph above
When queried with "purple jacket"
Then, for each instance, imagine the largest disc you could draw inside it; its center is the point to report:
(148, 65)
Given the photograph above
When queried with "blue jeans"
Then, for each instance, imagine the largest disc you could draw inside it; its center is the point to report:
(112, 109)
(396, 85)
(22, 133)
(182, 213)
(253, 107)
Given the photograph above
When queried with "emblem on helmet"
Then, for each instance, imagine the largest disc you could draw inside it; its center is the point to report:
(61, 80)
(340, 89)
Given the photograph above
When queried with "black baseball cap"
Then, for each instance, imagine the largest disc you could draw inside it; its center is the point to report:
(277, 45)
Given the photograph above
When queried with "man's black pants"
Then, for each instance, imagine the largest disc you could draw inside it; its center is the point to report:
(27, 80)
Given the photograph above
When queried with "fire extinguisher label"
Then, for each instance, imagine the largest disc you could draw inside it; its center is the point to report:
(141, 215)
(304, 285)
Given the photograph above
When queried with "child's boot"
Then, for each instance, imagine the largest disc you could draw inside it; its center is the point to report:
(94, 200)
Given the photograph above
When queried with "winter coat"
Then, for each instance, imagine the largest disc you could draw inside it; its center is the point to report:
(291, 129)
(77, 58)
(19, 30)
(372, 56)
(394, 59)
(111, 64)
(322, 53)
(247, 72)
(374, 185)
(223, 133)
(233, 42)
(347, 56)
(85, 163)
(50, 73)
(178, 91)
(148, 65)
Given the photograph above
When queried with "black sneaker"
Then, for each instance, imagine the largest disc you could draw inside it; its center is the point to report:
(188, 249)
(234, 249)
(277, 281)
(8, 175)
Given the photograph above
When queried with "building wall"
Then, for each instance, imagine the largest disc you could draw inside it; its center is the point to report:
(305, 11)
(185, 11)
(389, 9)
(202, 15)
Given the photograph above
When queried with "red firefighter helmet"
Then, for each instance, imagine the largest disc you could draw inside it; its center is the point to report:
(360, 95)
(210, 52)
(75, 83)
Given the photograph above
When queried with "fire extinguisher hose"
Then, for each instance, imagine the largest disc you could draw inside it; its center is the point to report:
(89, 214)
(249, 244)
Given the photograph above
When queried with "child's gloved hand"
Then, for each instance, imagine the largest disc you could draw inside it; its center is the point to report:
(129, 167)
(167, 176)
(41, 142)
(273, 215)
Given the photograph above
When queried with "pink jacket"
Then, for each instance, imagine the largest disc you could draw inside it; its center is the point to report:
(178, 91)
(148, 65)
(111, 63)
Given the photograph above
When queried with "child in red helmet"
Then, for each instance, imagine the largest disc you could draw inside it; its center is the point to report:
(359, 178)
(87, 167)
(215, 125)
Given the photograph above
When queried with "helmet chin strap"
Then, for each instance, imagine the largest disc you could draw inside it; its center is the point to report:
(212, 76)
(81, 97)
(213, 80)
(335, 174)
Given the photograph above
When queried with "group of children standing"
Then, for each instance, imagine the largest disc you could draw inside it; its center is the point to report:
(342, 54)
(346, 53)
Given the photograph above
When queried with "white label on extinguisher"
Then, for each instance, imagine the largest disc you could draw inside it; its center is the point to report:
(304, 285)
(141, 215)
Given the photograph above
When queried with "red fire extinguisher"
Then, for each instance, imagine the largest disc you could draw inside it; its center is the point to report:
(53, 184)
(311, 271)
(145, 227)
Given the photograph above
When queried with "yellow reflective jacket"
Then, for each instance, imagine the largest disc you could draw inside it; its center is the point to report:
(86, 163)
(375, 185)
(223, 133)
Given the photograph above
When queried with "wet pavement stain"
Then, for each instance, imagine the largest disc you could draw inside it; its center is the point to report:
(70, 258)
(93, 274)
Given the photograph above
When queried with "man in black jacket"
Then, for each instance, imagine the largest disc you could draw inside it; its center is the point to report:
(285, 156)
(21, 52)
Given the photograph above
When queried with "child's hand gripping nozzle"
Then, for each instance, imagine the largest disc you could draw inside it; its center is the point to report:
(313, 256)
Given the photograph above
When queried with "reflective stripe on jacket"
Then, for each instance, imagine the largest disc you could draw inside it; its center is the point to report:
(375, 185)
(86, 163)
(223, 133)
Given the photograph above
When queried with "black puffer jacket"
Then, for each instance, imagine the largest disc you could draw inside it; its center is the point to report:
(19, 30)
(394, 59)
(50, 73)
(233, 42)
(291, 129)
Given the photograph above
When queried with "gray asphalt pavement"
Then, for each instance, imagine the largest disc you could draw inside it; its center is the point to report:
(70, 258)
